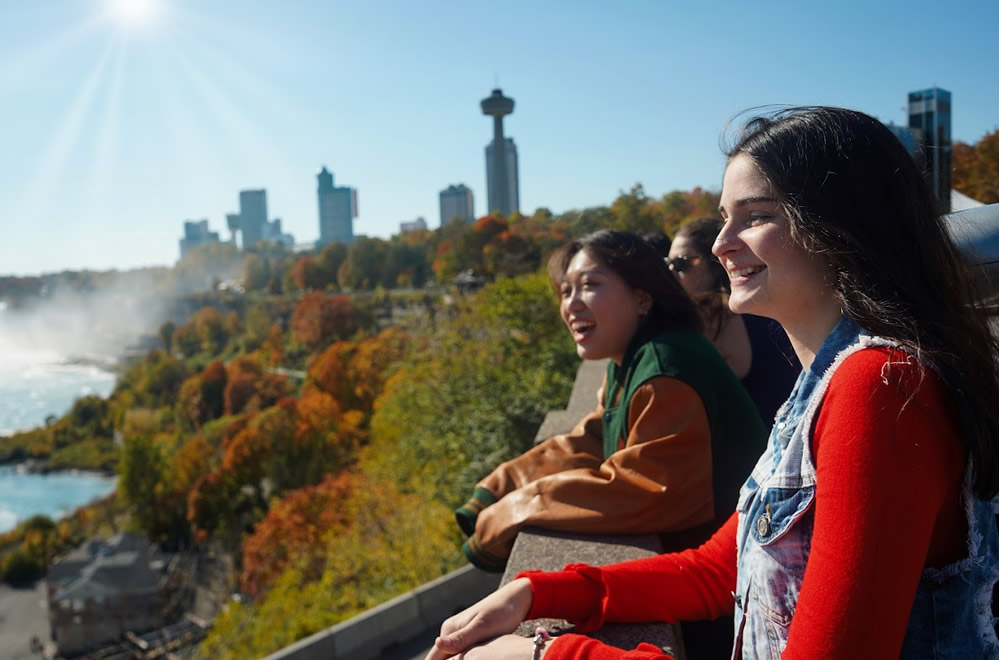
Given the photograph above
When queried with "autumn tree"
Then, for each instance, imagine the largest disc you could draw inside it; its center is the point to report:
(250, 386)
(293, 530)
(210, 328)
(308, 275)
(201, 397)
(321, 317)
(975, 168)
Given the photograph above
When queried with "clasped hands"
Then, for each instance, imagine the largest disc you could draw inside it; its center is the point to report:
(483, 630)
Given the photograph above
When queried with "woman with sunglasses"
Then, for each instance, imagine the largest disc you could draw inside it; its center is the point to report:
(755, 348)
(672, 438)
(868, 527)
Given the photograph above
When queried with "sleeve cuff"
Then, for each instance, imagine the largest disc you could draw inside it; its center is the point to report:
(570, 594)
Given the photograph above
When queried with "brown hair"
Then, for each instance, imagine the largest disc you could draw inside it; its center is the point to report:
(642, 268)
(853, 194)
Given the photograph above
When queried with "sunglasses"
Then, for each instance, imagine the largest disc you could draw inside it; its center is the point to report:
(681, 263)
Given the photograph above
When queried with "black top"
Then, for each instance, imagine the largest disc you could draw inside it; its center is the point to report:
(774, 366)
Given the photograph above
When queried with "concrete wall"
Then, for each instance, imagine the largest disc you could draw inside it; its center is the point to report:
(394, 622)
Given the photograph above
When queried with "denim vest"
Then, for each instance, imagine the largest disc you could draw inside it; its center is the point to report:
(951, 616)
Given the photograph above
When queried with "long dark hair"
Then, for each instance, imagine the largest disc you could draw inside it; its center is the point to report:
(642, 268)
(853, 194)
(713, 302)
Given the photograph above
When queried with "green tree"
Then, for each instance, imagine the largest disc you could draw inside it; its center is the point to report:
(256, 273)
(166, 333)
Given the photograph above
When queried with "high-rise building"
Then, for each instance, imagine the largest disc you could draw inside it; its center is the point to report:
(456, 202)
(273, 233)
(253, 216)
(929, 110)
(912, 139)
(504, 193)
(338, 206)
(501, 158)
(196, 233)
(233, 224)
(414, 225)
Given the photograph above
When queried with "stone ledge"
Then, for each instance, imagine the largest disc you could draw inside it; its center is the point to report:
(371, 633)
(539, 549)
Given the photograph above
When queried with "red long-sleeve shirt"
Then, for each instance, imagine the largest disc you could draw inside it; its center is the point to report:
(888, 504)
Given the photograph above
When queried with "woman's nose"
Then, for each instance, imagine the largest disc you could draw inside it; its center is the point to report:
(726, 240)
(574, 301)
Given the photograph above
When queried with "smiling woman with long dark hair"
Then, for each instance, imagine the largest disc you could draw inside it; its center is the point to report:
(868, 528)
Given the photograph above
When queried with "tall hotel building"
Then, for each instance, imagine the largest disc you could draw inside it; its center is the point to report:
(929, 110)
(253, 216)
(338, 206)
(456, 202)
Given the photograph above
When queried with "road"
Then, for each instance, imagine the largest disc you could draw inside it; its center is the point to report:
(22, 615)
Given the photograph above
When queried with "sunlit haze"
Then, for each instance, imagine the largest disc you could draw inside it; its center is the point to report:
(135, 12)
(124, 118)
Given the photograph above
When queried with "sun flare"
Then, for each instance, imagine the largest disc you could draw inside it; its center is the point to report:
(135, 12)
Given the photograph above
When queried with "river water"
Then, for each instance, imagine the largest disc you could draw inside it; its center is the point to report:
(35, 383)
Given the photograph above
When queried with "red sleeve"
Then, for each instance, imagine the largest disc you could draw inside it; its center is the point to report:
(692, 585)
(887, 504)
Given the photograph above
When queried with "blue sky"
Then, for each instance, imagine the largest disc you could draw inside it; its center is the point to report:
(115, 131)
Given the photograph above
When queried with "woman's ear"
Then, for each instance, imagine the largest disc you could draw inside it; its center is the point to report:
(644, 301)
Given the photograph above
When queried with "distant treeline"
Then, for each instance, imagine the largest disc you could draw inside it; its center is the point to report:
(493, 246)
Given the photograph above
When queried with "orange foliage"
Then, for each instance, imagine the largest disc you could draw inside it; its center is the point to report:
(307, 273)
(207, 503)
(251, 387)
(294, 525)
(370, 364)
(321, 317)
(328, 372)
(490, 224)
(353, 373)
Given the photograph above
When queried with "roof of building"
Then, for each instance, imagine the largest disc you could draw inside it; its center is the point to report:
(125, 563)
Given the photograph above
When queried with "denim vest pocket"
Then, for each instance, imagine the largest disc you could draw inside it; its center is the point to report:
(779, 508)
(779, 538)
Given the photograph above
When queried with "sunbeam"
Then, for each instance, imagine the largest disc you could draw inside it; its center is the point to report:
(98, 183)
(47, 178)
(225, 108)
(36, 59)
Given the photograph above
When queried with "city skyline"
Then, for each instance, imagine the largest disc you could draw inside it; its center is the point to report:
(117, 131)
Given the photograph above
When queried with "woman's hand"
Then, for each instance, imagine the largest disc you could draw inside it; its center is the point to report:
(497, 614)
(505, 647)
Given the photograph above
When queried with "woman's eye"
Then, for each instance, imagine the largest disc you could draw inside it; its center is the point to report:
(758, 220)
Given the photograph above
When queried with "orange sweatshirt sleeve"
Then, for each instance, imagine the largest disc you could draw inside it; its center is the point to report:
(660, 481)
